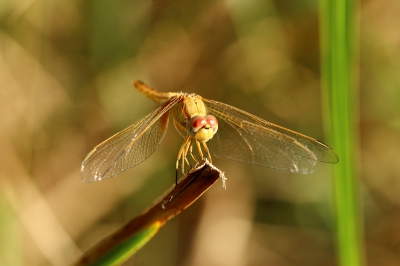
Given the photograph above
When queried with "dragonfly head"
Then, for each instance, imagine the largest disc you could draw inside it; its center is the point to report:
(203, 128)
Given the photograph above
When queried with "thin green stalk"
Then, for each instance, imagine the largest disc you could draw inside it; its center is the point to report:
(339, 46)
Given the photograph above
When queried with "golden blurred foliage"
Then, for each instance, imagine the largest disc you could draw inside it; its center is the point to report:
(65, 85)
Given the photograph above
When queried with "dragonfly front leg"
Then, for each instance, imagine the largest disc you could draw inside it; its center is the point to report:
(199, 149)
(191, 152)
(188, 149)
(182, 154)
(207, 150)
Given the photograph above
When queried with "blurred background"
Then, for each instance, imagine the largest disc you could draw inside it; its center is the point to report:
(66, 71)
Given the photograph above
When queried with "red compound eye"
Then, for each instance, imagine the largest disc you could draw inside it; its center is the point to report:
(212, 122)
(197, 123)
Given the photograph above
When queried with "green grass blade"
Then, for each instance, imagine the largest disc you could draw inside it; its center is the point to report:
(124, 250)
(339, 43)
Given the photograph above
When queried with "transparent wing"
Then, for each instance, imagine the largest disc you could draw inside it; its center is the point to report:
(129, 147)
(246, 138)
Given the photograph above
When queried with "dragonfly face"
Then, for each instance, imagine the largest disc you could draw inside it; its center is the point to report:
(229, 132)
(203, 128)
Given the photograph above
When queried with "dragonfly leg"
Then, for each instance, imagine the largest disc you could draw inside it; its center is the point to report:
(199, 149)
(191, 152)
(180, 153)
(182, 156)
(187, 149)
(207, 150)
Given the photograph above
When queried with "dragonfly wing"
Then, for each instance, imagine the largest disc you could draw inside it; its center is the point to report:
(246, 138)
(129, 147)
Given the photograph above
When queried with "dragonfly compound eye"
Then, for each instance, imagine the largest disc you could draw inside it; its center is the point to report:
(196, 123)
(212, 122)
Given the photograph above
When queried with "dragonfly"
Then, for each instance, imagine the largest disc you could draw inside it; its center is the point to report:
(213, 128)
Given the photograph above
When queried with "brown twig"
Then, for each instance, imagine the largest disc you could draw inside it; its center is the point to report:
(193, 185)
